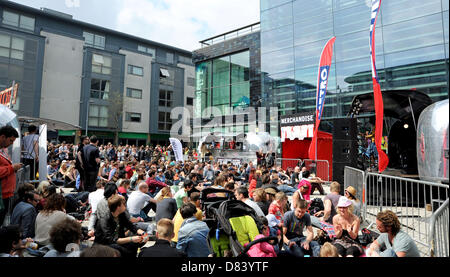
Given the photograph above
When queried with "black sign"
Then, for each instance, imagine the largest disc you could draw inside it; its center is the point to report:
(297, 119)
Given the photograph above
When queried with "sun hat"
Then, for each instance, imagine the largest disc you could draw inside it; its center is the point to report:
(344, 202)
(352, 191)
(270, 191)
(273, 221)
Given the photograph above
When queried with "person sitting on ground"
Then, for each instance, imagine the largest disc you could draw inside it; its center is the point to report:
(278, 205)
(328, 250)
(181, 196)
(166, 206)
(70, 177)
(11, 243)
(392, 242)
(178, 219)
(295, 242)
(154, 186)
(123, 187)
(52, 214)
(295, 177)
(346, 226)
(193, 233)
(162, 246)
(97, 195)
(259, 196)
(111, 230)
(241, 194)
(21, 192)
(99, 251)
(350, 193)
(139, 202)
(65, 237)
(330, 202)
(300, 194)
(24, 213)
(305, 181)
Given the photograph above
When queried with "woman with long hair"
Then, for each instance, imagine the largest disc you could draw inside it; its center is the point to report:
(346, 226)
(166, 206)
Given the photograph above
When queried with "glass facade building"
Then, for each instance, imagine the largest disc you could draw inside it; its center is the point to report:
(411, 51)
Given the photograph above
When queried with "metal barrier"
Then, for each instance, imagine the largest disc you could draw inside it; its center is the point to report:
(355, 178)
(439, 236)
(285, 163)
(322, 168)
(413, 201)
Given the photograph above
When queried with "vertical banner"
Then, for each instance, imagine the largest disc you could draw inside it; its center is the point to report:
(42, 152)
(322, 83)
(383, 159)
(177, 149)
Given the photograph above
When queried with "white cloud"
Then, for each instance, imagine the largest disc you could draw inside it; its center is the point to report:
(183, 23)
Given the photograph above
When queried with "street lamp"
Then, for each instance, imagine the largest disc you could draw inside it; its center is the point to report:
(87, 115)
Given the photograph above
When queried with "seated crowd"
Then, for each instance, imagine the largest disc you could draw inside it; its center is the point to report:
(115, 220)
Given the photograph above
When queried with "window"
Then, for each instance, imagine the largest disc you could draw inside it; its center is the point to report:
(135, 70)
(147, 50)
(94, 40)
(18, 20)
(166, 77)
(100, 89)
(164, 121)
(191, 81)
(165, 98)
(169, 57)
(98, 116)
(12, 47)
(189, 101)
(134, 93)
(133, 117)
(183, 59)
(101, 64)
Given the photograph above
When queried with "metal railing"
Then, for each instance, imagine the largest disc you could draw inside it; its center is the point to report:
(413, 201)
(285, 163)
(355, 178)
(231, 34)
(439, 235)
(322, 168)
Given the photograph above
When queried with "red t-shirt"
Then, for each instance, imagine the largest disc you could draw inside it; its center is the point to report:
(276, 210)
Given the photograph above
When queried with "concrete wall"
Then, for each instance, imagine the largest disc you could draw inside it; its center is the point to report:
(61, 78)
(137, 82)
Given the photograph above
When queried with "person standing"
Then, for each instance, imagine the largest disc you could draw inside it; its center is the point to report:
(30, 147)
(7, 170)
(91, 164)
(79, 161)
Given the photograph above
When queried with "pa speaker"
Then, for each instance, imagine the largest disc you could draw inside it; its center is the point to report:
(345, 129)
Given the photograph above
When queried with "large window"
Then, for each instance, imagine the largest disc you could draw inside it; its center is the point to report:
(135, 70)
(147, 50)
(183, 59)
(164, 121)
(12, 47)
(98, 116)
(18, 20)
(100, 89)
(101, 64)
(165, 98)
(223, 83)
(166, 76)
(94, 40)
(133, 117)
(134, 93)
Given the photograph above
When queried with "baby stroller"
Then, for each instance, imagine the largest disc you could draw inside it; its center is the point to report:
(233, 224)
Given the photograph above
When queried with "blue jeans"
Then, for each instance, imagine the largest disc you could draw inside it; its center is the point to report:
(298, 251)
(388, 253)
(288, 190)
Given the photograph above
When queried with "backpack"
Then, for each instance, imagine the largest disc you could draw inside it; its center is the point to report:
(316, 206)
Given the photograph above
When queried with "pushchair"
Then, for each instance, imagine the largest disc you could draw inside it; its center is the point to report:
(232, 224)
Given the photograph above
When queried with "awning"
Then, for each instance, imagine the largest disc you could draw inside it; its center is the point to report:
(397, 103)
(51, 124)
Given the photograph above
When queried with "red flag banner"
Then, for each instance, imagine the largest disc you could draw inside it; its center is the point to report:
(322, 83)
(9, 95)
(383, 159)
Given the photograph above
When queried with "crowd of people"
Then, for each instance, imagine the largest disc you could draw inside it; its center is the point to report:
(114, 188)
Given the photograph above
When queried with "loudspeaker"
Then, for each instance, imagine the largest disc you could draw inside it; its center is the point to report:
(345, 151)
(345, 129)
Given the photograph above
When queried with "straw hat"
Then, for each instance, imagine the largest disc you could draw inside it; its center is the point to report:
(352, 191)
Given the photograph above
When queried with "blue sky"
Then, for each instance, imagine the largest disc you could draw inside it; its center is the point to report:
(180, 23)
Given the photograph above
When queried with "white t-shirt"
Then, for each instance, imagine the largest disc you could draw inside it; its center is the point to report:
(137, 201)
(255, 206)
(95, 197)
(28, 146)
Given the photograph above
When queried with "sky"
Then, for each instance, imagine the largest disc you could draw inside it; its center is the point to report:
(179, 23)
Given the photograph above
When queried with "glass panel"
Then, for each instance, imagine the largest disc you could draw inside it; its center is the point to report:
(308, 9)
(238, 91)
(107, 61)
(313, 29)
(277, 38)
(151, 51)
(309, 54)
(161, 126)
(221, 71)
(95, 84)
(267, 4)
(103, 122)
(10, 18)
(416, 33)
(161, 116)
(355, 77)
(105, 86)
(27, 22)
(15, 54)
(356, 45)
(278, 61)
(415, 55)
(343, 4)
(104, 95)
(99, 41)
(240, 64)
(221, 95)
(169, 57)
(356, 18)
(96, 69)
(445, 18)
(106, 70)
(88, 38)
(142, 48)
(93, 110)
(445, 5)
(95, 94)
(93, 121)
(103, 111)
(4, 52)
(401, 10)
(5, 41)
(203, 75)
(276, 17)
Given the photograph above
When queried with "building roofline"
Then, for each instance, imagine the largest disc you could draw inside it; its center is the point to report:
(31, 10)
